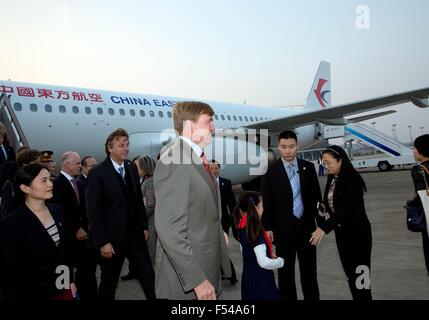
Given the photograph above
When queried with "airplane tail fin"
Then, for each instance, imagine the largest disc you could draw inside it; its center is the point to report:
(319, 96)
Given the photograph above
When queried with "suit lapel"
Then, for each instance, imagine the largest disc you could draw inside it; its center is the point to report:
(60, 228)
(129, 171)
(69, 188)
(199, 167)
(302, 172)
(35, 224)
(114, 177)
(2, 156)
(282, 171)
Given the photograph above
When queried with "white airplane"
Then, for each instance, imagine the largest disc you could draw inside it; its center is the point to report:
(64, 118)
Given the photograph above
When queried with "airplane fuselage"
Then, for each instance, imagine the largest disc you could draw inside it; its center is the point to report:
(64, 118)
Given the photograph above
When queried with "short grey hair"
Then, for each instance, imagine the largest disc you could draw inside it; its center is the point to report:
(147, 164)
(67, 156)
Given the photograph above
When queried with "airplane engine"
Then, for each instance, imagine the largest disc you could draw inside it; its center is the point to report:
(241, 158)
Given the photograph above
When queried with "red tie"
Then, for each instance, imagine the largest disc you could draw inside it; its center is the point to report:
(206, 164)
(207, 167)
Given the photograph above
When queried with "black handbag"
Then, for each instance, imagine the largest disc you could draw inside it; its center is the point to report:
(416, 221)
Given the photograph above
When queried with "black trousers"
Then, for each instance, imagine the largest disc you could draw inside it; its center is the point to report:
(233, 273)
(86, 267)
(298, 245)
(355, 251)
(136, 251)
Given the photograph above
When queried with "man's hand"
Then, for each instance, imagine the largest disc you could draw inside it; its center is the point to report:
(205, 291)
(317, 236)
(146, 234)
(81, 234)
(107, 251)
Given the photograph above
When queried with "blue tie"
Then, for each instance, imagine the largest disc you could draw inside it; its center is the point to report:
(121, 171)
(4, 152)
(298, 207)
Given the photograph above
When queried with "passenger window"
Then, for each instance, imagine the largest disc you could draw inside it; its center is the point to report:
(87, 110)
(33, 107)
(251, 118)
(75, 109)
(62, 109)
(48, 108)
(240, 117)
(235, 118)
(122, 112)
(111, 111)
(216, 117)
(161, 115)
(169, 114)
(99, 110)
(245, 118)
(222, 117)
(151, 113)
(142, 113)
(17, 106)
(132, 112)
(228, 117)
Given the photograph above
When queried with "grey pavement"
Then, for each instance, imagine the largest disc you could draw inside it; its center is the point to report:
(398, 268)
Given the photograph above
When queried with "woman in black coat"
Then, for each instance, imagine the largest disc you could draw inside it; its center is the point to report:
(345, 214)
(34, 260)
(420, 179)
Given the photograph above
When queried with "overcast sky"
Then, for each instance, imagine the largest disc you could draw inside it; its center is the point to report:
(264, 52)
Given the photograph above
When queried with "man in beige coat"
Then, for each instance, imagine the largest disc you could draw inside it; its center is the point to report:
(191, 244)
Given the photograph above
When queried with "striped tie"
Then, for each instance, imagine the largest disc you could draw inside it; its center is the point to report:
(298, 207)
(76, 190)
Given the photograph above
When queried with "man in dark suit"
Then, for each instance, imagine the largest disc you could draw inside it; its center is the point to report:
(71, 198)
(227, 203)
(87, 164)
(290, 192)
(117, 218)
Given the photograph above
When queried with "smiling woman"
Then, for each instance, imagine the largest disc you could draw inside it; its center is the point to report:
(344, 201)
(34, 235)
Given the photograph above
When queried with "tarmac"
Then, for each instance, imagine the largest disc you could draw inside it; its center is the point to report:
(398, 269)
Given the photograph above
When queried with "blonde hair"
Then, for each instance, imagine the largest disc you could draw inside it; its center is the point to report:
(189, 110)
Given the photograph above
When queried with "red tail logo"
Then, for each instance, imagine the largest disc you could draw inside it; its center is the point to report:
(320, 95)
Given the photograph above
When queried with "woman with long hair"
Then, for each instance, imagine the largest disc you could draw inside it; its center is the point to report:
(34, 256)
(344, 211)
(257, 282)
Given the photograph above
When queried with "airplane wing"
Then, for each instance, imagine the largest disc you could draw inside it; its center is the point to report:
(335, 115)
(370, 116)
